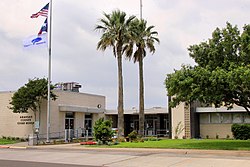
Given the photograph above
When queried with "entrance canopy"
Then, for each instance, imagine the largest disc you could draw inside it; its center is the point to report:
(134, 111)
(82, 109)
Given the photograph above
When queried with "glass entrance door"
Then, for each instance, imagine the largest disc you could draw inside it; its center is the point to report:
(69, 121)
(69, 125)
(150, 127)
(88, 124)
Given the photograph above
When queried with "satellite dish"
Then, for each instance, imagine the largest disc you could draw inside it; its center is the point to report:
(99, 106)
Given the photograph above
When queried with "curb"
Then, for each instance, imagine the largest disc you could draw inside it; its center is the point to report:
(4, 146)
(17, 147)
(12, 147)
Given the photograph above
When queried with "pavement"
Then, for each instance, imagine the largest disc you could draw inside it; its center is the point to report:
(77, 146)
(126, 157)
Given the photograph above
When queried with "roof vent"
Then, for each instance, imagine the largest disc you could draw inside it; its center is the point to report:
(68, 86)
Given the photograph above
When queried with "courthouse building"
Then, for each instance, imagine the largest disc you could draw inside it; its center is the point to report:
(195, 121)
(71, 110)
(75, 111)
(156, 121)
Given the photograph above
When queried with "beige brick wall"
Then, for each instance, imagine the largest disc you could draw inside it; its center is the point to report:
(14, 124)
(69, 98)
(9, 121)
(178, 116)
(79, 121)
(222, 130)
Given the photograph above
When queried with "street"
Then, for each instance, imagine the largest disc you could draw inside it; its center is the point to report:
(12, 163)
(55, 157)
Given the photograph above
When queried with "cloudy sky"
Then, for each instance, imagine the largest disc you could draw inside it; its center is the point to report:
(180, 23)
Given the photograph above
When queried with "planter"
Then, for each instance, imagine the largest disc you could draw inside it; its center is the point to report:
(88, 143)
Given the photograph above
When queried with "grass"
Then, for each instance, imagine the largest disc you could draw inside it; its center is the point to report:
(205, 144)
(7, 141)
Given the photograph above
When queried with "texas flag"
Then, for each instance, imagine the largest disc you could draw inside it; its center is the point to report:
(44, 28)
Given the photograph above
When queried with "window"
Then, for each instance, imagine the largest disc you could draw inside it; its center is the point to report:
(237, 118)
(246, 118)
(69, 115)
(226, 117)
(215, 118)
(204, 118)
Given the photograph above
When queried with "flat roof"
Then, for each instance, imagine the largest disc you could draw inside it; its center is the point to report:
(75, 108)
(220, 109)
(154, 110)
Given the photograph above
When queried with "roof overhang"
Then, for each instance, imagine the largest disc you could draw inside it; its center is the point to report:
(82, 109)
(154, 110)
(221, 109)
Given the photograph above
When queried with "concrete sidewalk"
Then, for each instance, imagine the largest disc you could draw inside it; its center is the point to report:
(125, 157)
(77, 146)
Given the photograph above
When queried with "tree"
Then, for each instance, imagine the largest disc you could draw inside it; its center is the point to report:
(221, 76)
(114, 28)
(103, 131)
(30, 96)
(143, 38)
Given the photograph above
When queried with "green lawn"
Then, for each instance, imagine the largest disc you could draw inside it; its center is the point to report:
(6, 141)
(206, 144)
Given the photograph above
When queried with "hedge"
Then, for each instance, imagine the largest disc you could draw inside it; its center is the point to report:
(241, 131)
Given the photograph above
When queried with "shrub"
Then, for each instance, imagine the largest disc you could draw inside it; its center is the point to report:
(133, 135)
(121, 139)
(103, 131)
(241, 131)
(22, 140)
(152, 139)
(178, 129)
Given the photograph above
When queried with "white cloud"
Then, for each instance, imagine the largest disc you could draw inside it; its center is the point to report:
(75, 58)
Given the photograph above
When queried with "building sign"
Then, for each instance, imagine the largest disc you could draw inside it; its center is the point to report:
(25, 120)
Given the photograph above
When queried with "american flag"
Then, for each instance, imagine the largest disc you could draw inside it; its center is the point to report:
(43, 12)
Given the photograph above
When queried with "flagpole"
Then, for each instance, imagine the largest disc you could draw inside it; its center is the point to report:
(140, 9)
(49, 73)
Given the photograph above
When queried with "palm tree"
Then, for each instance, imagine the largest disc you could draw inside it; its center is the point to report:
(114, 28)
(143, 38)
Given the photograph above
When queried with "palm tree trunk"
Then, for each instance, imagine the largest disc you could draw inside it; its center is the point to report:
(141, 103)
(120, 95)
